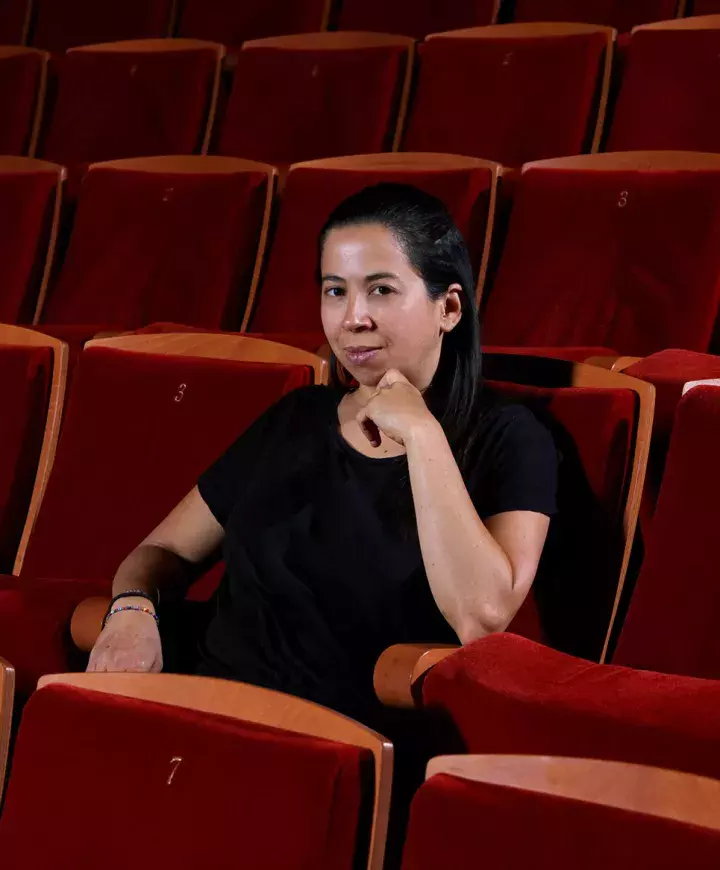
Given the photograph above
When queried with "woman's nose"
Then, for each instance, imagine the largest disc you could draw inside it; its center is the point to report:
(357, 315)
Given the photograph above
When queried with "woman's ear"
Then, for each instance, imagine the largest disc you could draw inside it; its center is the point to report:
(452, 308)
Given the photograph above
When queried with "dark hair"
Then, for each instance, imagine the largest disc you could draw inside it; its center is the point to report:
(437, 252)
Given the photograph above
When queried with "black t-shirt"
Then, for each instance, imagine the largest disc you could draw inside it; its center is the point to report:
(323, 563)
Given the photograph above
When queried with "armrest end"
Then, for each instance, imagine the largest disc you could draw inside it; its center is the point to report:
(400, 669)
(86, 622)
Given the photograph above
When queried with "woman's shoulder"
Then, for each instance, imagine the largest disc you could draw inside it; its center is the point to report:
(510, 420)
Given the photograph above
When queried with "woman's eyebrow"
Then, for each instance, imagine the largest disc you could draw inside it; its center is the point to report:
(333, 278)
(380, 276)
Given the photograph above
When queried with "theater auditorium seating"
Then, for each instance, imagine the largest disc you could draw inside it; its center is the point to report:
(23, 73)
(613, 250)
(289, 297)
(61, 24)
(669, 92)
(572, 813)
(162, 238)
(306, 97)
(217, 766)
(620, 14)
(512, 93)
(30, 192)
(416, 18)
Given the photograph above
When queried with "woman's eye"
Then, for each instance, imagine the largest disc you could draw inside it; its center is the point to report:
(383, 290)
(334, 291)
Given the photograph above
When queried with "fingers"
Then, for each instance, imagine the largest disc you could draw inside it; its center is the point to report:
(392, 376)
(369, 429)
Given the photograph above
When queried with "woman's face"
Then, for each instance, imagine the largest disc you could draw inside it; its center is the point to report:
(376, 311)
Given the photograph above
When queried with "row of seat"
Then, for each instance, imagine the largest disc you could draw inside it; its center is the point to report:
(605, 251)
(56, 25)
(535, 91)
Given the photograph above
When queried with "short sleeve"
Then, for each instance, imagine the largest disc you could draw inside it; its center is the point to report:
(518, 465)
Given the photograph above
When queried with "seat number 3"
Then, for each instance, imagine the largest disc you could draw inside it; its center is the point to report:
(180, 395)
(623, 201)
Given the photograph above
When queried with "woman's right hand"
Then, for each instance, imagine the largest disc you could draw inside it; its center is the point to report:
(129, 642)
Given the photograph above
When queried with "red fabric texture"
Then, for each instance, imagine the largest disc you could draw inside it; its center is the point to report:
(570, 354)
(12, 21)
(111, 105)
(20, 76)
(232, 23)
(416, 18)
(506, 694)
(620, 14)
(27, 203)
(574, 592)
(290, 296)
(622, 258)
(62, 24)
(531, 98)
(705, 7)
(25, 375)
(669, 93)
(219, 806)
(453, 819)
(138, 431)
(306, 104)
(671, 625)
(152, 246)
(309, 341)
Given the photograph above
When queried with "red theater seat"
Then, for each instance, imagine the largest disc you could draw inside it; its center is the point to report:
(30, 192)
(416, 18)
(620, 14)
(23, 73)
(561, 813)
(705, 7)
(669, 93)
(233, 23)
(512, 93)
(289, 300)
(14, 21)
(613, 250)
(62, 24)
(164, 238)
(133, 99)
(230, 775)
(306, 97)
(32, 373)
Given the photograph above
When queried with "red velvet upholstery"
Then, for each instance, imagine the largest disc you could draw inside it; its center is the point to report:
(620, 14)
(624, 258)
(13, 15)
(511, 99)
(92, 777)
(233, 23)
(129, 450)
(161, 245)
(25, 374)
(506, 694)
(705, 7)
(62, 24)
(453, 820)
(669, 93)
(27, 203)
(20, 77)
(129, 103)
(570, 354)
(314, 99)
(309, 341)
(671, 625)
(290, 296)
(415, 18)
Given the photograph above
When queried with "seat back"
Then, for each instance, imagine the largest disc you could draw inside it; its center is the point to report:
(290, 297)
(416, 18)
(196, 754)
(512, 93)
(676, 595)
(62, 24)
(133, 99)
(318, 95)
(14, 22)
(176, 239)
(590, 814)
(233, 23)
(668, 96)
(146, 415)
(23, 74)
(601, 423)
(620, 14)
(30, 193)
(705, 7)
(611, 250)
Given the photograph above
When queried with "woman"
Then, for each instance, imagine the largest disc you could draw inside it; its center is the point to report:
(399, 505)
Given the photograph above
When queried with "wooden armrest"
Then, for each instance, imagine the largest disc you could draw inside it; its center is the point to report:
(7, 699)
(613, 363)
(400, 669)
(86, 622)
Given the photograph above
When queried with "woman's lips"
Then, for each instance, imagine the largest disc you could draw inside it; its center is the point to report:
(361, 355)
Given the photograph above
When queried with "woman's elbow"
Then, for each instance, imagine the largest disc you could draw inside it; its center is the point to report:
(482, 622)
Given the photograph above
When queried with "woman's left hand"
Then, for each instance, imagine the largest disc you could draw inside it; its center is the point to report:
(397, 410)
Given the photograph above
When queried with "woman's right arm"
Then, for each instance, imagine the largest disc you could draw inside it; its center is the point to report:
(169, 557)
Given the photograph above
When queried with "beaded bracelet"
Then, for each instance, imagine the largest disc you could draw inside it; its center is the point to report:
(136, 593)
(136, 607)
